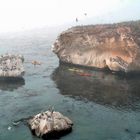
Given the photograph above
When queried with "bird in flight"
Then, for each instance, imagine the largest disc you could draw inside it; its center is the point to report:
(85, 14)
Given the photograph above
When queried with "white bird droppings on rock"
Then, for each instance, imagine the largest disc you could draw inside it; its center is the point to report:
(48, 123)
(11, 65)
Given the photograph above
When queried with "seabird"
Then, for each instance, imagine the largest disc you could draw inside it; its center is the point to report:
(85, 14)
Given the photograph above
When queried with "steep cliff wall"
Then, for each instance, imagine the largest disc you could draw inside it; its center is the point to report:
(115, 46)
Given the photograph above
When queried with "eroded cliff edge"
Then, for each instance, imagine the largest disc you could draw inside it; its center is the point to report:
(113, 46)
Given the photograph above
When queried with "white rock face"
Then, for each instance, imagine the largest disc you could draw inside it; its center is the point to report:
(49, 122)
(11, 65)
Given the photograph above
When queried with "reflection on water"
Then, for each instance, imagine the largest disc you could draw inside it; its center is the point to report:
(101, 87)
(10, 84)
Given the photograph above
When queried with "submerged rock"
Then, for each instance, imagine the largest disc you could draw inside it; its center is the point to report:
(36, 63)
(11, 65)
(50, 124)
(113, 46)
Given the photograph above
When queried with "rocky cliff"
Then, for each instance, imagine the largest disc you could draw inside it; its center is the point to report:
(113, 46)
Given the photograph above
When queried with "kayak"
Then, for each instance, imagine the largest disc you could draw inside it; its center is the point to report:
(75, 70)
(80, 72)
(85, 74)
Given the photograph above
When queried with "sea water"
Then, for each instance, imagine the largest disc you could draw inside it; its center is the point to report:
(102, 106)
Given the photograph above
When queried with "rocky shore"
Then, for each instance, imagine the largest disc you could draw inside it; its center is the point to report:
(112, 46)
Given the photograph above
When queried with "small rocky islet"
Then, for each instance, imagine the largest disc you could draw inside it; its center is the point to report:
(11, 65)
(50, 124)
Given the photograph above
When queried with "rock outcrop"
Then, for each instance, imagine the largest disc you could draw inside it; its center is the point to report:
(50, 124)
(113, 46)
(11, 65)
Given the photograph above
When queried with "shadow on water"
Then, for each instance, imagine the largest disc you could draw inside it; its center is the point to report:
(10, 84)
(119, 91)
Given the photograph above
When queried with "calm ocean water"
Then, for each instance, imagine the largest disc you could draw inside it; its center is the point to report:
(104, 106)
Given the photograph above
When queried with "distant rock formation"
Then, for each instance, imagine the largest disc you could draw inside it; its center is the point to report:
(11, 65)
(113, 46)
(50, 124)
